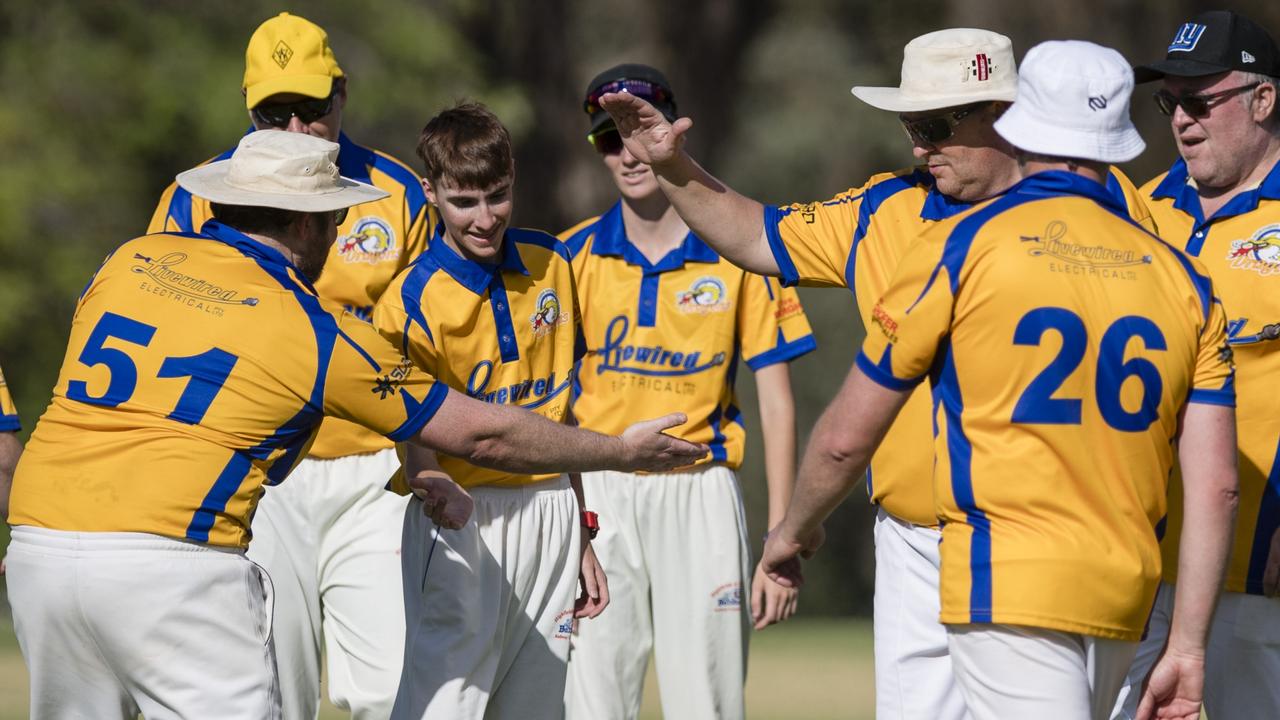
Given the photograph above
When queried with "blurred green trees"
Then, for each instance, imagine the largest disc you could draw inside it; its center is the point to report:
(103, 102)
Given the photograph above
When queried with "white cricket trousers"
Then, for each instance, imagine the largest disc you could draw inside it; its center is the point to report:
(914, 677)
(1242, 661)
(1012, 671)
(489, 607)
(329, 537)
(116, 624)
(675, 549)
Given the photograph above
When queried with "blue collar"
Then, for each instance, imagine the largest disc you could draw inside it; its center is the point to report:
(1053, 183)
(474, 276)
(215, 230)
(1176, 185)
(936, 205)
(611, 239)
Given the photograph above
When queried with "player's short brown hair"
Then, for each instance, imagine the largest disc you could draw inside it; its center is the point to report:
(466, 145)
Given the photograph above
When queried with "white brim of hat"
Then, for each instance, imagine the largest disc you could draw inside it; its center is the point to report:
(1029, 133)
(210, 182)
(894, 100)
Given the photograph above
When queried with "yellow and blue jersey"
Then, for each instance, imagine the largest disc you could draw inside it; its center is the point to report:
(375, 242)
(504, 333)
(9, 421)
(198, 370)
(667, 337)
(1240, 247)
(856, 240)
(1061, 340)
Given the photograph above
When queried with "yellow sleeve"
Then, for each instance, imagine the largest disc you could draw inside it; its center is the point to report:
(370, 383)
(913, 316)
(772, 326)
(160, 220)
(812, 242)
(1133, 199)
(1214, 381)
(417, 236)
(399, 318)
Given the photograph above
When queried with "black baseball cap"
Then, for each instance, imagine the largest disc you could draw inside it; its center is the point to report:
(1215, 42)
(640, 80)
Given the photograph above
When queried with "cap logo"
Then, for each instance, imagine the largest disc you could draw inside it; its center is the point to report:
(980, 67)
(282, 54)
(1187, 37)
(1245, 57)
(1097, 102)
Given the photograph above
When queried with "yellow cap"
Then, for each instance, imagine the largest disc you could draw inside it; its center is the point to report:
(288, 54)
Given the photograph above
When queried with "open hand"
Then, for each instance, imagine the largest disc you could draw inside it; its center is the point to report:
(447, 504)
(595, 586)
(1175, 689)
(652, 450)
(771, 602)
(645, 132)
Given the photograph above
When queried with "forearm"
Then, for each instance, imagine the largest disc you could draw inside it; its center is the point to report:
(1210, 496)
(778, 428)
(10, 451)
(730, 223)
(518, 441)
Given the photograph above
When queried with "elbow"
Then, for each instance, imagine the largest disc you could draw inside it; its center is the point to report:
(842, 449)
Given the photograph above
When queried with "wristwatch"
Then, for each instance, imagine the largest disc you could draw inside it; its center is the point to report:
(591, 522)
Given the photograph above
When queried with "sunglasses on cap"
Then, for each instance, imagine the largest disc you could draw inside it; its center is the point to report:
(606, 142)
(1197, 106)
(655, 94)
(936, 128)
(307, 111)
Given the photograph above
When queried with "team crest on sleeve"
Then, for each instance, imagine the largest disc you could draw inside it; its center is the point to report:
(547, 314)
(706, 295)
(1260, 253)
(371, 241)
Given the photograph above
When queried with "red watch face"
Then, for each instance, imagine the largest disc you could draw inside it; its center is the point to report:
(591, 522)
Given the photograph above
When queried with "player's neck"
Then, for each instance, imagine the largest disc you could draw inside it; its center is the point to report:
(1094, 171)
(288, 252)
(653, 226)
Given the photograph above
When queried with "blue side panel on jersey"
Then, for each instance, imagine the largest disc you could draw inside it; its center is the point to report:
(647, 310)
(577, 241)
(215, 502)
(1117, 190)
(874, 197)
(411, 293)
(501, 307)
(768, 287)
(787, 272)
(1267, 524)
(363, 353)
(180, 209)
(960, 453)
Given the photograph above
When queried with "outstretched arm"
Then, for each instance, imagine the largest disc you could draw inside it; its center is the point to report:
(519, 441)
(1207, 452)
(730, 223)
(837, 456)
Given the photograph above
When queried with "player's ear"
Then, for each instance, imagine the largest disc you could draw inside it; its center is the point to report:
(431, 194)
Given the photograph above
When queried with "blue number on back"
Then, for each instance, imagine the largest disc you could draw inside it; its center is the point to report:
(124, 374)
(208, 372)
(1037, 404)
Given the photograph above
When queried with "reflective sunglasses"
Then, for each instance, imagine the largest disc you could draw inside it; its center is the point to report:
(606, 142)
(937, 128)
(655, 94)
(340, 215)
(307, 111)
(1197, 106)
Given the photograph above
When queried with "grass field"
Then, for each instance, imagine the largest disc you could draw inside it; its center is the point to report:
(805, 669)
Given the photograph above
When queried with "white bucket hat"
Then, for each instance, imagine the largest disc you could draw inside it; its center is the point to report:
(279, 169)
(1073, 102)
(948, 68)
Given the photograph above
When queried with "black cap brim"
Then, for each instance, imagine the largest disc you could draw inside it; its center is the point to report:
(1177, 68)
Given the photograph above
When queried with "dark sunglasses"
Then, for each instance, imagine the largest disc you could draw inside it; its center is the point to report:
(937, 128)
(1197, 106)
(340, 215)
(606, 142)
(655, 94)
(307, 111)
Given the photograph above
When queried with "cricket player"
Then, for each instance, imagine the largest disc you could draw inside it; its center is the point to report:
(955, 84)
(490, 311)
(667, 321)
(10, 446)
(1050, 323)
(331, 538)
(1220, 202)
(198, 369)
